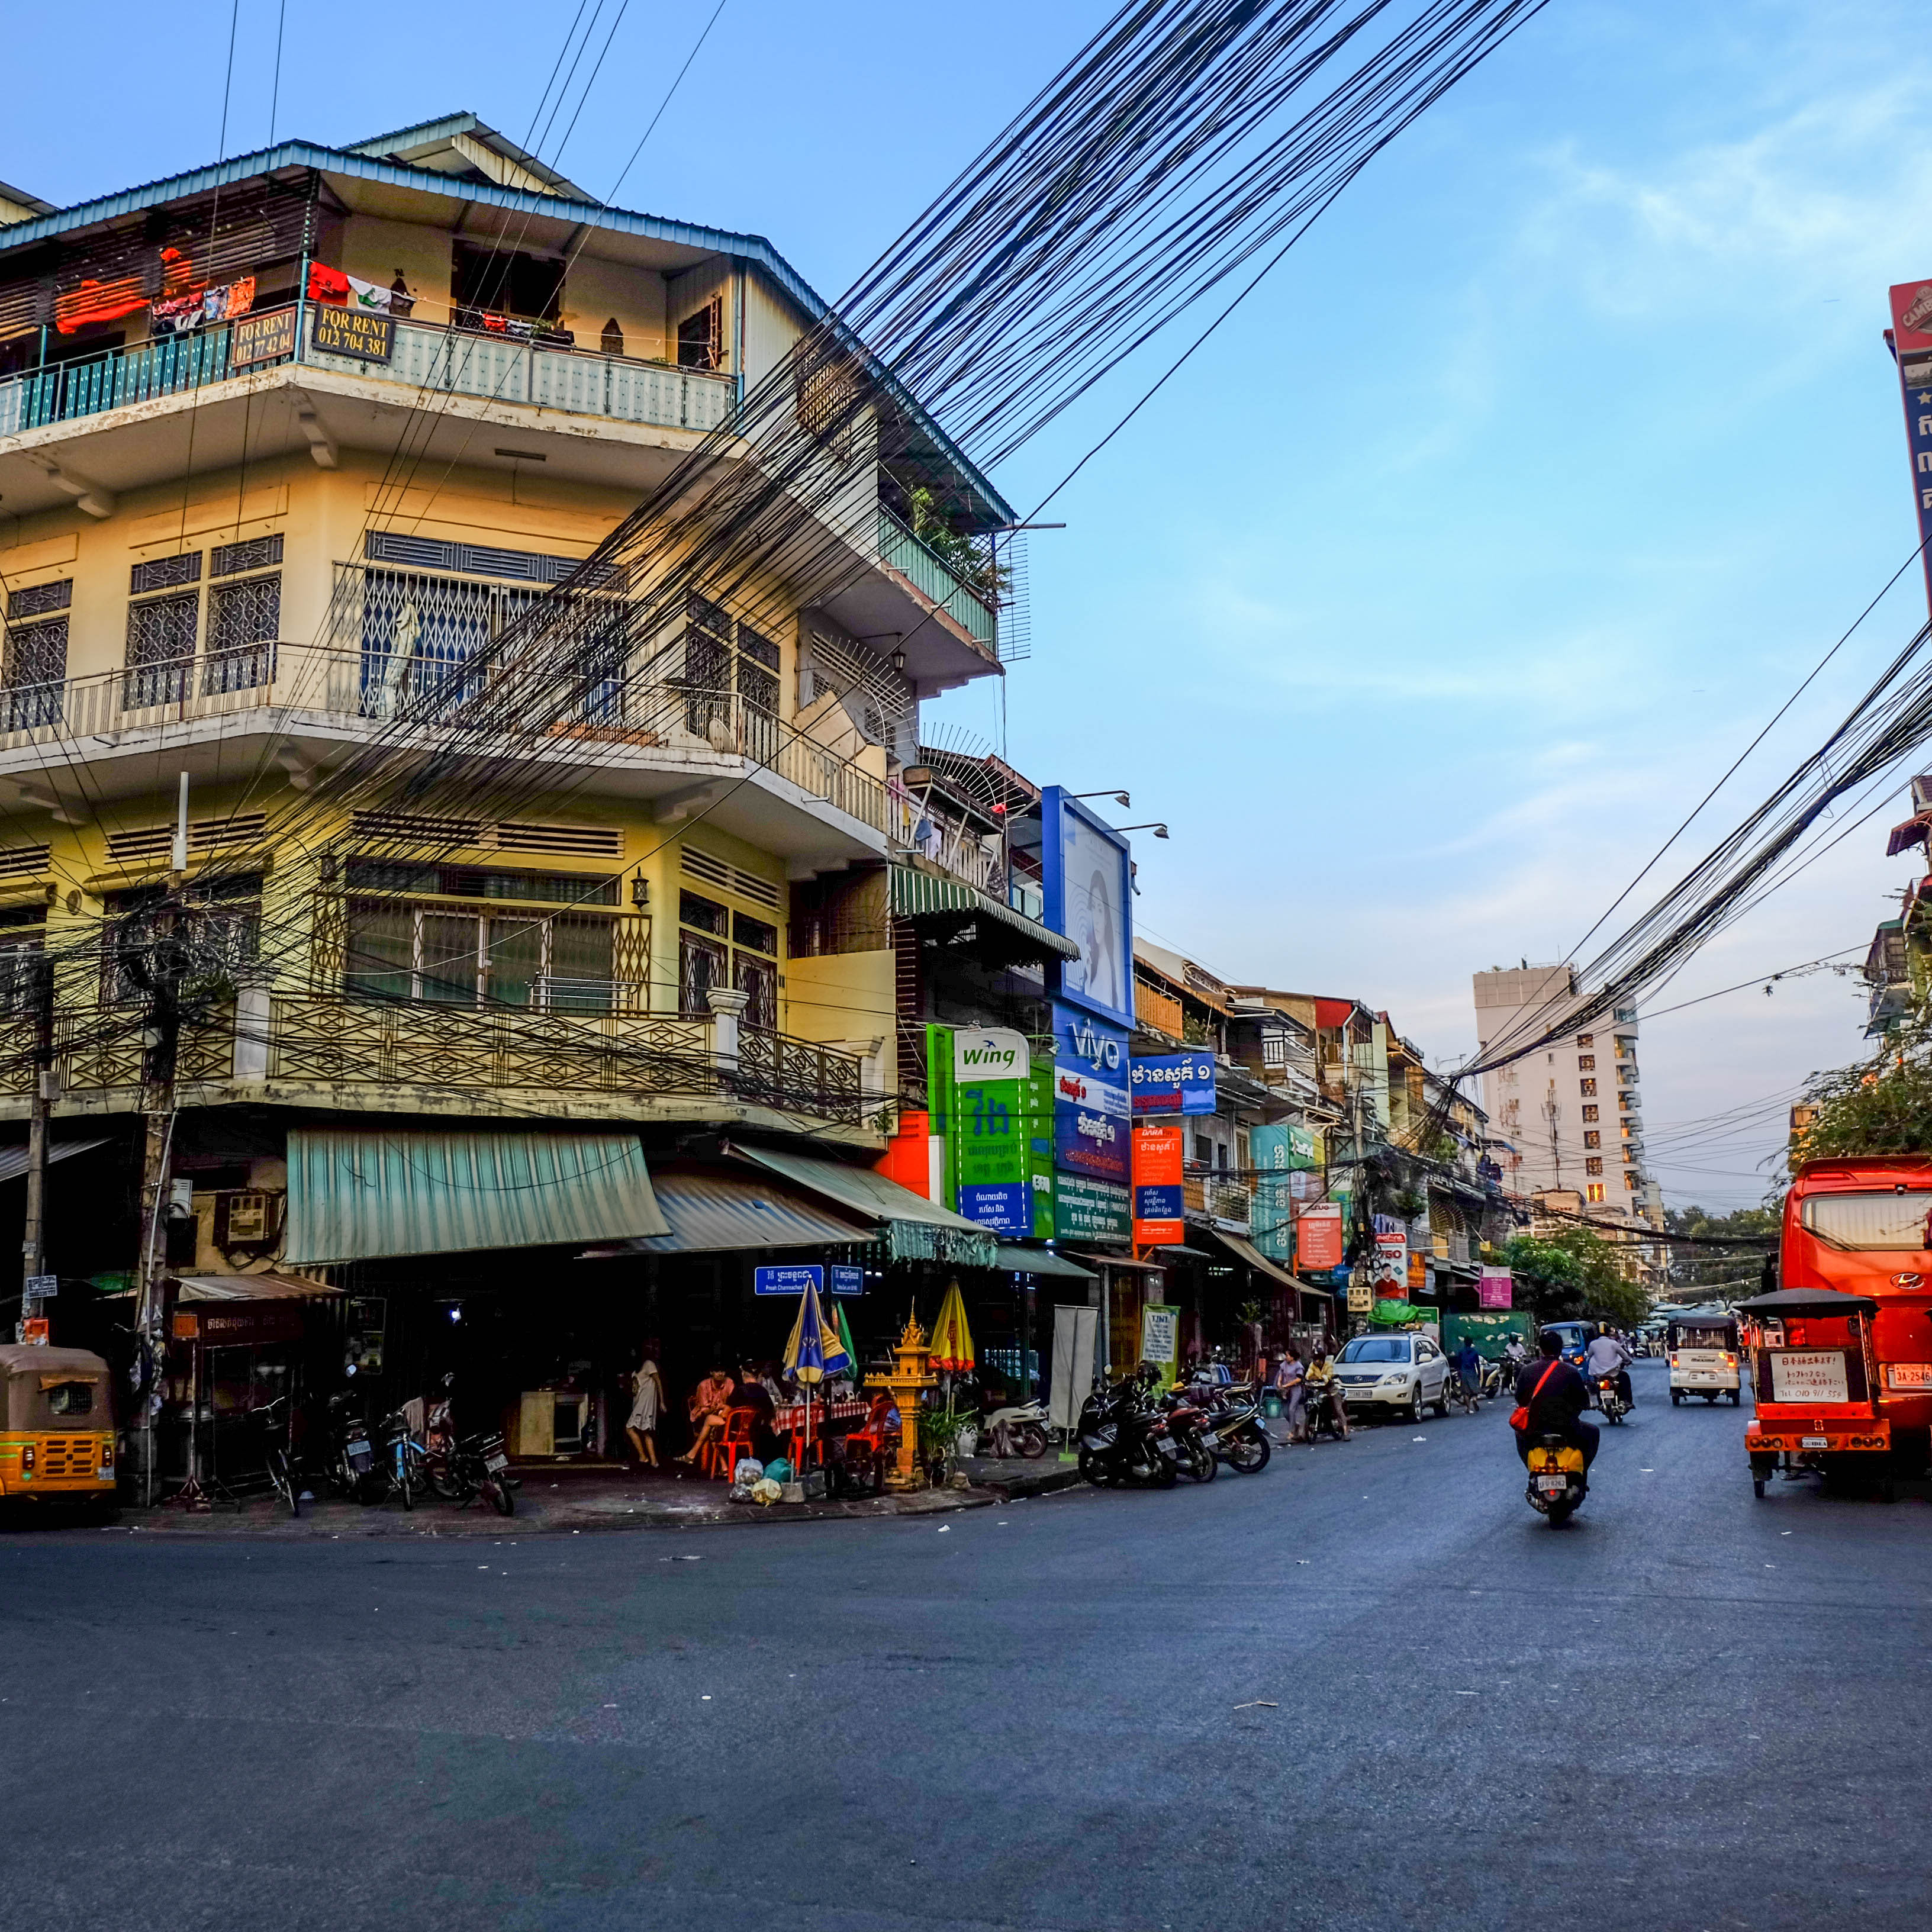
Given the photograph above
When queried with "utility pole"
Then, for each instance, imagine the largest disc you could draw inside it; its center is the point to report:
(34, 1244)
(159, 962)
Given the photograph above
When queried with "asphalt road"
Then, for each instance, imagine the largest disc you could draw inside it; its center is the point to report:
(1367, 1689)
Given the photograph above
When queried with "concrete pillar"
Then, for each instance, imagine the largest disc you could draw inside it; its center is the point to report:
(254, 986)
(727, 1010)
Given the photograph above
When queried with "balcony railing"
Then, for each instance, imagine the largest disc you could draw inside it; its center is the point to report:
(623, 710)
(973, 610)
(352, 1043)
(945, 842)
(1158, 1010)
(454, 361)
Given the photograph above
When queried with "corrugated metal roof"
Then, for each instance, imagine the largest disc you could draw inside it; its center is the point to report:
(13, 1160)
(254, 1288)
(713, 1211)
(916, 1228)
(915, 893)
(361, 1195)
(1041, 1260)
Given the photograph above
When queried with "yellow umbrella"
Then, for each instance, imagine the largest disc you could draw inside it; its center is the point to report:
(952, 1340)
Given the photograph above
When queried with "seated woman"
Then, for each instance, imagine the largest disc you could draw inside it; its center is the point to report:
(752, 1400)
(709, 1402)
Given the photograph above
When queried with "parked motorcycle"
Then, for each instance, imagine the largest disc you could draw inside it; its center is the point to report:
(1557, 1483)
(1017, 1429)
(481, 1466)
(1190, 1422)
(1124, 1438)
(1235, 1434)
(353, 1469)
(1494, 1380)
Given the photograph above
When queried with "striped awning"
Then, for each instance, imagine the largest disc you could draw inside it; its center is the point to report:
(710, 1211)
(362, 1194)
(913, 1228)
(915, 892)
(1042, 1261)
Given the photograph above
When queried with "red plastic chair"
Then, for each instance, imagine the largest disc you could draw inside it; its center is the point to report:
(722, 1452)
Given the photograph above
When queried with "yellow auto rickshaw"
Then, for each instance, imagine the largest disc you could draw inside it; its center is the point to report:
(56, 1424)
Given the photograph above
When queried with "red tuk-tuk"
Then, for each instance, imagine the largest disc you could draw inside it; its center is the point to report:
(1815, 1377)
(1864, 1228)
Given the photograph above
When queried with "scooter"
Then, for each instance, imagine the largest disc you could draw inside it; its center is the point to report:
(1123, 1440)
(1235, 1435)
(1557, 1483)
(1019, 1429)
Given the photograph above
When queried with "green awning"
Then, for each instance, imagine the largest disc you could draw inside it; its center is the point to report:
(711, 1211)
(914, 1229)
(915, 893)
(1042, 1261)
(356, 1195)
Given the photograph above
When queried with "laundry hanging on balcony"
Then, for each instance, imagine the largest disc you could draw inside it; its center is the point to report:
(331, 285)
(93, 301)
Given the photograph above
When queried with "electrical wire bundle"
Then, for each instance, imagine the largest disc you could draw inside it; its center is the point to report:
(1863, 755)
(1187, 139)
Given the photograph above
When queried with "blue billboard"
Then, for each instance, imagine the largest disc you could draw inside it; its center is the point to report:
(1091, 1112)
(1087, 877)
(1172, 1083)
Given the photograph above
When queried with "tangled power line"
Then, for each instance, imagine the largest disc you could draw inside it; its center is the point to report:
(1187, 139)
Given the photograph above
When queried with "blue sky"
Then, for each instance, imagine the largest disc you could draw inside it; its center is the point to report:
(1431, 595)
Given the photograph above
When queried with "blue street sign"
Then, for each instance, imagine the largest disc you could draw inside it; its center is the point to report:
(847, 1280)
(788, 1280)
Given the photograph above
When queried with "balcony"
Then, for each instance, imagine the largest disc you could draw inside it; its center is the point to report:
(1158, 1012)
(1203, 1193)
(972, 610)
(450, 361)
(623, 724)
(357, 1053)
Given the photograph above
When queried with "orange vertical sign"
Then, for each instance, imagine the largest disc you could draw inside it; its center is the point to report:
(1160, 1208)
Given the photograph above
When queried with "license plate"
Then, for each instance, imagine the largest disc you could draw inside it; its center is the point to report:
(496, 1464)
(1910, 1375)
(1814, 1442)
(1551, 1485)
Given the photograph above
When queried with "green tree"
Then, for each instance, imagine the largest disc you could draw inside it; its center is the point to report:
(1729, 1272)
(1574, 1275)
(1880, 1105)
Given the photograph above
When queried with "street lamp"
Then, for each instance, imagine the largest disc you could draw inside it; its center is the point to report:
(1160, 831)
(1119, 797)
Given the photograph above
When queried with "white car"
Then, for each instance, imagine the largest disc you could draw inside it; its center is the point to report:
(1403, 1373)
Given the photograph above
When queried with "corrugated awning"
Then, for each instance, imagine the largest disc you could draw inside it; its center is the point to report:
(1041, 1260)
(711, 1211)
(1120, 1261)
(358, 1195)
(1245, 1250)
(253, 1288)
(13, 1160)
(915, 892)
(913, 1229)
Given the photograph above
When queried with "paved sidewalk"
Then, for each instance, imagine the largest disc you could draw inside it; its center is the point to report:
(561, 1501)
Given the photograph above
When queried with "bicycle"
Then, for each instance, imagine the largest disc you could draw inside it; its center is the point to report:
(284, 1467)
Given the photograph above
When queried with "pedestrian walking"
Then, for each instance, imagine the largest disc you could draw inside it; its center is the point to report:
(1290, 1378)
(647, 1401)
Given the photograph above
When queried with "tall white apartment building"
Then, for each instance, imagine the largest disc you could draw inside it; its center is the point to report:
(1569, 1115)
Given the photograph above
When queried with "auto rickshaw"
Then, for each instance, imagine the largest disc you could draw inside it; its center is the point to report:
(1703, 1352)
(57, 1425)
(1813, 1368)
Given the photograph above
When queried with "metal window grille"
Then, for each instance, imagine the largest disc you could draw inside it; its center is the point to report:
(164, 573)
(33, 670)
(244, 618)
(41, 600)
(257, 553)
(160, 650)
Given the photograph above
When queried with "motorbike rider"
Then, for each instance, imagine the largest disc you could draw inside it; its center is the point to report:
(1606, 1355)
(1555, 1396)
(1320, 1383)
